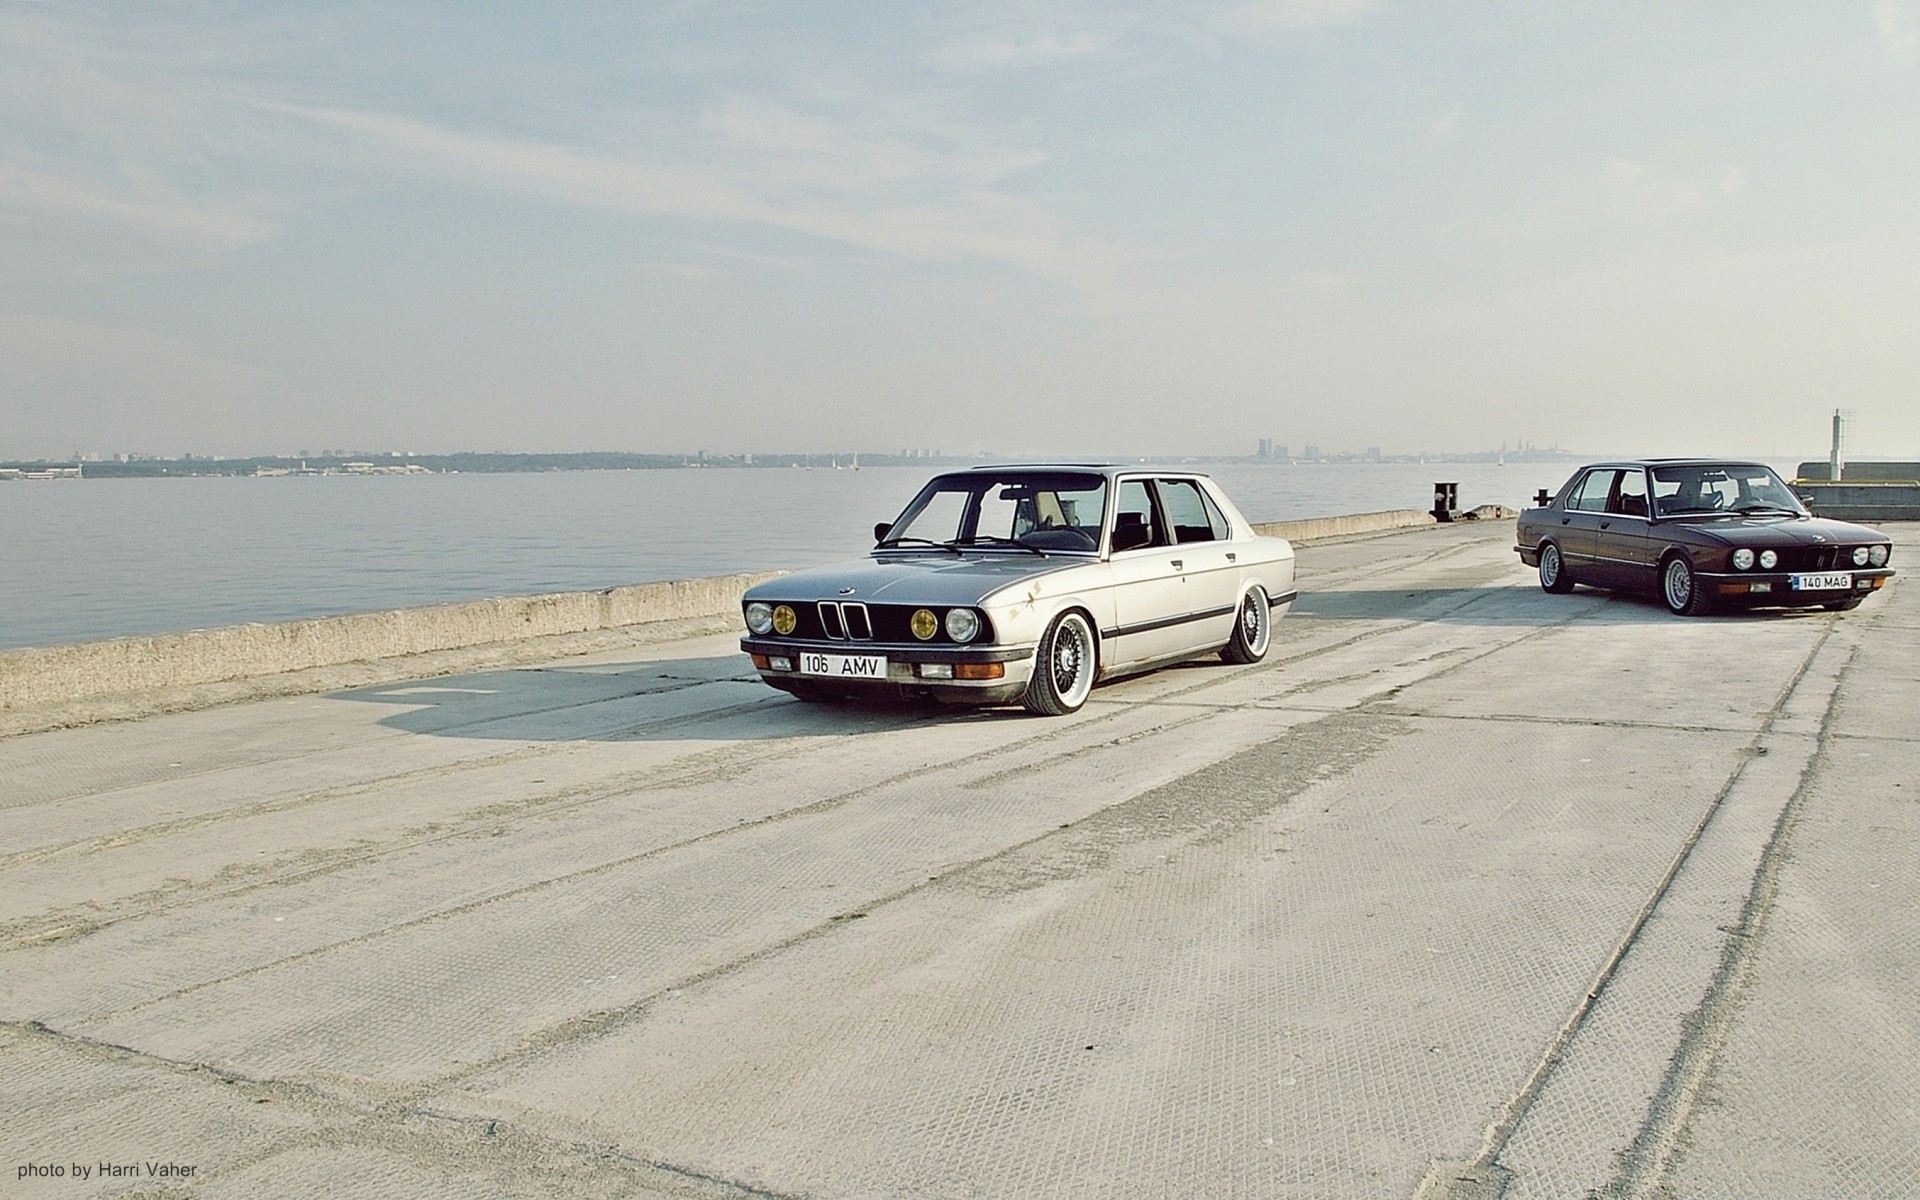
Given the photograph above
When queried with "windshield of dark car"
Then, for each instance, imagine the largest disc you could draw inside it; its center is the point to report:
(1049, 511)
(1721, 487)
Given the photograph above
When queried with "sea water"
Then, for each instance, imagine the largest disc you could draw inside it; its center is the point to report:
(98, 558)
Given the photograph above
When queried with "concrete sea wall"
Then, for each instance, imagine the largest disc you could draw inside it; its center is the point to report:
(1350, 525)
(61, 675)
(45, 686)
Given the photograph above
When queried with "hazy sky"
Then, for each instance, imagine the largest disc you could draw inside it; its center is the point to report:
(1065, 229)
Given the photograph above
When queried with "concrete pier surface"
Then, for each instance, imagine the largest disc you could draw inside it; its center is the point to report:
(1466, 891)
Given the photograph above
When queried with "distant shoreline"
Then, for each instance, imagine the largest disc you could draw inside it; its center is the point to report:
(483, 464)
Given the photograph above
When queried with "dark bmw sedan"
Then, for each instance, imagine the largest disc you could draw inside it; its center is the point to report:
(1701, 534)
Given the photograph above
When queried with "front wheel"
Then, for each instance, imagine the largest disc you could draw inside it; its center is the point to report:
(1682, 591)
(1553, 571)
(1252, 629)
(1063, 667)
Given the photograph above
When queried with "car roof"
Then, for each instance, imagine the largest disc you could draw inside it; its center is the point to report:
(1674, 462)
(1109, 469)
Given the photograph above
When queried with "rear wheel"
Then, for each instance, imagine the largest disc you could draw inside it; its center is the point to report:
(1553, 571)
(1063, 667)
(1681, 590)
(1252, 629)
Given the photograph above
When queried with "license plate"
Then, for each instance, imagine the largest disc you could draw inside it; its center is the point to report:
(844, 666)
(1820, 583)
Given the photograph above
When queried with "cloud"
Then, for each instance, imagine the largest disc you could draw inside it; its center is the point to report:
(1641, 190)
(691, 272)
(1280, 15)
(1896, 35)
(989, 53)
(957, 220)
(138, 200)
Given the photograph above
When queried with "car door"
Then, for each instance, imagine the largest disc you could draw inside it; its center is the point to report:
(1210, 563)
(1623, 544)
(1580, 523)
(1149, 591)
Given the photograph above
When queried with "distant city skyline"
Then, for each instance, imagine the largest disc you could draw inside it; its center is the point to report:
(1173, 228)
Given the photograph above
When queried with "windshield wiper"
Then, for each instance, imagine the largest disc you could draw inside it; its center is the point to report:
(995, 540)
(949, 547)
(1780, 508)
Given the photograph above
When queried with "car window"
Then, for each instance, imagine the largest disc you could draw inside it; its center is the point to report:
(1591, 495)
(938, 520)
(1721, 488)
(1631, 498)
(1046, 517)
(1186, 511)
(1136, 522)
(1216, 518)
(1039, 510)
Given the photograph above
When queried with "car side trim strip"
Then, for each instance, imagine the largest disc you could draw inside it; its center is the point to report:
(1283, 598)
(1205, 614)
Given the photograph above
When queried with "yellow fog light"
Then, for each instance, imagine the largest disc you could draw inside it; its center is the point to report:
(924, 624)
(784, 620)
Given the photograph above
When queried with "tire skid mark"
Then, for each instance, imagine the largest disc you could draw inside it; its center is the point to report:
(596, 1024)
(376, 734)
(1471, 1178)
(1656, 1150)
(536, 1163)
(824, 804)
(47, 927)
(524, 753)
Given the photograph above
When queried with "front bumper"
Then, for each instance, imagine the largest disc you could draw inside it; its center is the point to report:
(912, 670)
(1764, 589)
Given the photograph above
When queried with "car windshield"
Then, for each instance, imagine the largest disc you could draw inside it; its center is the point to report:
(1020, 511)
(1721, 487)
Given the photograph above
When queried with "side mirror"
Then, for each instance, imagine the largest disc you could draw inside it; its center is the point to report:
(880, 531)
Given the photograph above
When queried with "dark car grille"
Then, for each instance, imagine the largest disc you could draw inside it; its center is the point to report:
(850, 620)
(1815, 558)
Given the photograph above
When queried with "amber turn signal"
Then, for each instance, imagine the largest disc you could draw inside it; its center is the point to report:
(979, 670)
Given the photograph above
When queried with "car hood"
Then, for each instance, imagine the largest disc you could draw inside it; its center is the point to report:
(1777, 529)
(913, 579)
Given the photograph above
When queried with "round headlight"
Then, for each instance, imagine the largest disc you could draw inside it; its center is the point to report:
(924, 624)
(760, 617)
(1743, 558)
(1879, 555)
(963, 624)
(1859, 556)
(1769, 560)
(783, 619)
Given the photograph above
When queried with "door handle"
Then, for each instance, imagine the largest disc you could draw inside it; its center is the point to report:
(1606, 524)
(1178, 563)
(1566, 520)
(1233, 558)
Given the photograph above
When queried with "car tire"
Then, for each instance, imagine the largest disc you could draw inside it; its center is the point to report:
(1252, 629)
(1553, 570)
(1064, 664)
(1847, 605)
(1681, 589)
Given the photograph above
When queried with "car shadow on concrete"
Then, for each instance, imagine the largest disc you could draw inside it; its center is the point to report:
(1509, 606)
(687, 699)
